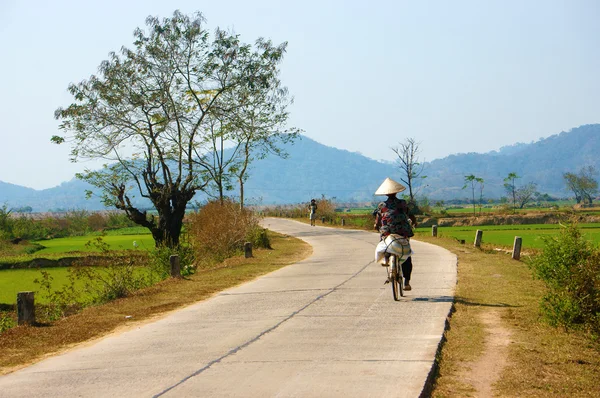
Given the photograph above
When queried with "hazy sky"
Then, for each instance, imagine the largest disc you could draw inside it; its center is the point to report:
(458, 76)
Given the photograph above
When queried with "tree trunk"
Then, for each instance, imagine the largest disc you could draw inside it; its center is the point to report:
(170, 206)
(241, 193)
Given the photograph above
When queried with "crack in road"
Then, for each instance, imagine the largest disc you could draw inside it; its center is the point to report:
(263, 333)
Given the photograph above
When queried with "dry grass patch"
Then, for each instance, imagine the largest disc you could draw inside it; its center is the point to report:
(21, 346)
(541, 361)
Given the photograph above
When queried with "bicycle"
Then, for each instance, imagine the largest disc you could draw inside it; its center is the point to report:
(396, 249)
(395, 277)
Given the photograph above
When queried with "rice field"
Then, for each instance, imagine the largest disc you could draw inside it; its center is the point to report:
(16, 280)
(504, 235)
(78, 243)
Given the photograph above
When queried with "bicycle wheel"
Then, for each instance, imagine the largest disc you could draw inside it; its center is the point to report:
(399, 277)
(394, 278)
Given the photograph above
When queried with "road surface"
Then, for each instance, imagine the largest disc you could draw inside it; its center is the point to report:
(324, 327)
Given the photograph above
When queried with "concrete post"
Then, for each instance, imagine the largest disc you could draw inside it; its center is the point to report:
(478, 237)
(25, 308)
(343, 222)
(175, 267)
(248, 249)
(434, 230)
(516, 254)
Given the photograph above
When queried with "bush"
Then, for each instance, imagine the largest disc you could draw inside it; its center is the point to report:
(7, 321)
(118, 220)
(258, 237)
(219, 230)
(61, 302)
(160, 262)
(326, 209)
(569, 265)
(112, 275)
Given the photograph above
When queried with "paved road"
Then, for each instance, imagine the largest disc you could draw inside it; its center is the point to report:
(324, 327)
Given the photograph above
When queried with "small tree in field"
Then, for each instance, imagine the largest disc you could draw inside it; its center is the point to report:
(471, 181)
(510, 187)
(149, 114)
(525, 194)
(583, 184)
(408, 161)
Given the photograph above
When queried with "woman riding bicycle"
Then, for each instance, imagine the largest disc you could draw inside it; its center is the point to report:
(392, 217)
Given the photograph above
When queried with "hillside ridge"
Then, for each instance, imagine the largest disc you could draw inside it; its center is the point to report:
(312, 169)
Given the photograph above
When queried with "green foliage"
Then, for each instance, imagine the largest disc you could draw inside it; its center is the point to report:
(583, 185)
(259, 237)
(160, 259)
(7, 321)
(34, 248)
(117, 219)
(112, 275)
(570, 266)
(6, 224)
(178, 91)
(71, 223)
(59, 302)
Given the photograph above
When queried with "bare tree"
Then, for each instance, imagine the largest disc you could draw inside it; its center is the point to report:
(525, 194)
(409, 164)
(510, 187)
(583, 184)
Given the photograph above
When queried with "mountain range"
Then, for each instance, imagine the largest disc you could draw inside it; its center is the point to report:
(312, 170)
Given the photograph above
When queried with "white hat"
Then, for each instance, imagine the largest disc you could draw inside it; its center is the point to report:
(389, 187)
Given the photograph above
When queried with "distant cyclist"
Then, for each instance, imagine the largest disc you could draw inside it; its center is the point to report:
(392, 217)
(312, 207)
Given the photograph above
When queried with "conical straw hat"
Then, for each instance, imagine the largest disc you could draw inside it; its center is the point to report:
(389, 187)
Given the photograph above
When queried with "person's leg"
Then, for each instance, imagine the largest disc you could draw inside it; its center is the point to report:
(407, 270)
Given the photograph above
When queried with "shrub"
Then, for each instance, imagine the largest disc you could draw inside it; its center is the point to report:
(7, 321)
(60, 302)
(6, 223)
(96, 222)
(219, 230)
(112, 275)
(258, 237)
(160, 262)
(570, 267)
(325, 208)
(118, 220)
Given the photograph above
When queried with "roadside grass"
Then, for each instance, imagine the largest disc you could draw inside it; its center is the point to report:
(24, 345)
(542, 361)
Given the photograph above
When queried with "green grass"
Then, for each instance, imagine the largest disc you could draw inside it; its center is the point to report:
(16, 280)
(13, 281)
(504, 235)
(78, 243)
